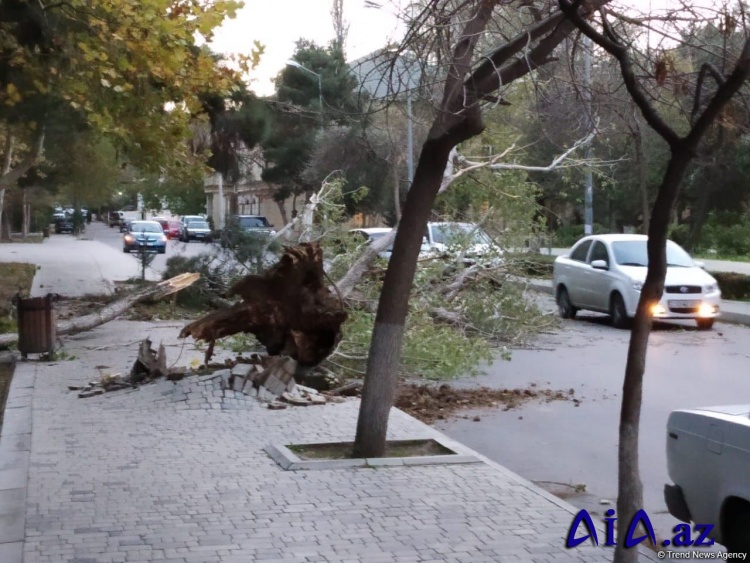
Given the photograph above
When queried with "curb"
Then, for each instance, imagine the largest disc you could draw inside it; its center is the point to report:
(15, 451)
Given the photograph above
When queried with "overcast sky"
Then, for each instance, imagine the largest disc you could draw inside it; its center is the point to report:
(279, 24)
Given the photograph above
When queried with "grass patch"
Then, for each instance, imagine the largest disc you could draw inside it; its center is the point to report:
(31, 238)
(16, 278)
(395, 448)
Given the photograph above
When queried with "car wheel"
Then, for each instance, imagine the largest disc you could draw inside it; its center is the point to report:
(126, 251)
(705, 324)
(618, 313)
(564, 306)
(163, 250)
(738, 533)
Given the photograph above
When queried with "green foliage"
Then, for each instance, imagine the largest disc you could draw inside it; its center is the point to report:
(294, 130)
(130, 71)
(725, 234)
(568, 235)
(242, 344)
(213, 278)
(431, 350)
(250, 249)
(356, 153)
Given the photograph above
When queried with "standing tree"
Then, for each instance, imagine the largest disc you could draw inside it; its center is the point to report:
(683, 149)
(132, 72)
(469, 81)
(318, 94)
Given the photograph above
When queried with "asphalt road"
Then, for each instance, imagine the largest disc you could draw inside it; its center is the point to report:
(113, 237)
(559, 442)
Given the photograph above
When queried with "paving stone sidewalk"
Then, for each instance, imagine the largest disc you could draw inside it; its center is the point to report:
(178, 473)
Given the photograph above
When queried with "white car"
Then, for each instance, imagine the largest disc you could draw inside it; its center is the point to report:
(371, 234)
(461, 239)
(605, 273)
(708, 456)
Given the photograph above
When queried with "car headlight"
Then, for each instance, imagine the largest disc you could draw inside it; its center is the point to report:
(637, 285)
(164, 238)
(129, 238)
(711, 288)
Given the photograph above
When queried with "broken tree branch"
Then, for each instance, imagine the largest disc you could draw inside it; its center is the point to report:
(115, 309)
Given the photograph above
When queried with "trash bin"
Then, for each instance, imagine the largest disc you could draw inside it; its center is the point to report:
(36, 324)
(45, 232)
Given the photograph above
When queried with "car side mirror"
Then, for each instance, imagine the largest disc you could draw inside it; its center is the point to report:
(599, 265)
(699, 264)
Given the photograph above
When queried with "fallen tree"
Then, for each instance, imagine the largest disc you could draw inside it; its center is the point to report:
(116, 308)
(289, 309)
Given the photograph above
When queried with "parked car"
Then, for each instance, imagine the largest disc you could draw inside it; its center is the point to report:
(186, 220)
(605, 273)
(164, 222)
(239, 226)
(708, 456)
(63, 223)
(117, 218)
(466, 240)
(175, 230)
(197, 230)
(371, 234)
(148, 235)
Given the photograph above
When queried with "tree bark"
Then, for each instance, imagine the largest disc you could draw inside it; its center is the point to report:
(10, 142)
(396, 194)
(640, 163)
(282, 211)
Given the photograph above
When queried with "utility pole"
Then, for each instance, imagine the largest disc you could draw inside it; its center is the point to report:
(409, 137)
(588, 204)
(220, 181)
(295, 64)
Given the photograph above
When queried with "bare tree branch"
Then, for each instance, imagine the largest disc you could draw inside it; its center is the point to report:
(620, 53)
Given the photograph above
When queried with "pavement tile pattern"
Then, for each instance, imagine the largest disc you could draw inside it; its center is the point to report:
(178, 473)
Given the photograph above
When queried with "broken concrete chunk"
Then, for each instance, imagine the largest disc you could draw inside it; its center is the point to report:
(297, 401)
(276, 405)
(243, 370)
(318, 400)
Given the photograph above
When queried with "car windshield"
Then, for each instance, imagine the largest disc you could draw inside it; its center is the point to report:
(198, 225)
(634, 253)
(145, 227)
(253, 222)
(455, 233)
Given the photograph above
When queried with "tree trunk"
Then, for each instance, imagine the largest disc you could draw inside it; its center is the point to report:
(396, 194)
(116, 308)
(25, 214)
(640, 163)
(10, 142)
(699, 215)
(282, 211)
(458, 119)
(385, 349)
(630, 488)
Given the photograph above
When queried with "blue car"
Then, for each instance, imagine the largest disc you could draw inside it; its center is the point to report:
(146, 235)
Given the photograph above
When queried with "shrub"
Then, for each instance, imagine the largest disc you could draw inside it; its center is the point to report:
(733, 286)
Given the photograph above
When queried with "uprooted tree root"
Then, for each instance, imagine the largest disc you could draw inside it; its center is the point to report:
(431, 403)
